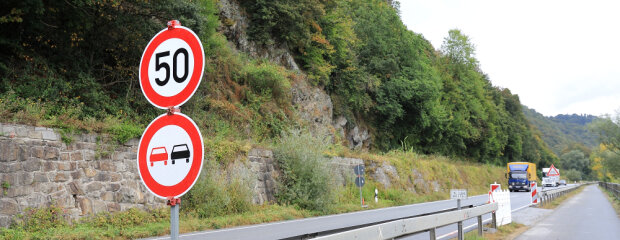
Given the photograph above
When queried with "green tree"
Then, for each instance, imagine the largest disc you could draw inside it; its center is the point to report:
(576, 160)
(459, 49)
(605, 164)
(85, 53)
(608, 131)
(572, 175)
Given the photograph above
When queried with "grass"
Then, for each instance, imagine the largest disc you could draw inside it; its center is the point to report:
(447, 173)
(128, 225)
(509, 231)
(69, 122)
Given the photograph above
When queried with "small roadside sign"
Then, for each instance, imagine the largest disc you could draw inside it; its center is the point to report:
(553, 171)
(171, 66)
(495, 187)
(360, 181)
(359, 170)
(458, 193)
(170, 155)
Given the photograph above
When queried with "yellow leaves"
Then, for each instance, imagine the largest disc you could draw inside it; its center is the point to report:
(316, 26)
(537, 137)
(13, 16)
(319, 39)
(28, 58)
(597, 164)
(75, 39)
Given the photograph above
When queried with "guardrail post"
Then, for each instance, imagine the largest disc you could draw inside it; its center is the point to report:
(460, 224)
(494, 220)
(480, 225)
(432, 234)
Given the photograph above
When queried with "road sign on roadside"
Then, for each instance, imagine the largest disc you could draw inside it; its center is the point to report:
(495, 187)
(553, 171)
(359, 169)
(458, 193)
(360, 181)
(170, 155)
(171, 66)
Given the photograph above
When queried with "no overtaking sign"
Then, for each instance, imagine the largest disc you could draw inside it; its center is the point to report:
(170, 155)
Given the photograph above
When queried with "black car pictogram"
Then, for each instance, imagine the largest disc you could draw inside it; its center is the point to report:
(179, 152)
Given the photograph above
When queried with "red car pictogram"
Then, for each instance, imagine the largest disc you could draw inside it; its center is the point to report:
(159, 154)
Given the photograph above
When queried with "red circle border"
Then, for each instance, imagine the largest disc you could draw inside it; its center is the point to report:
(180, 98)
(184, 185)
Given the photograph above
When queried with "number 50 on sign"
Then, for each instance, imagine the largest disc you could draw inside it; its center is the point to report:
(171, 67)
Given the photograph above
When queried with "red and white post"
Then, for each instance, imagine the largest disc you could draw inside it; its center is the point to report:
(494, 188)
(534, 191)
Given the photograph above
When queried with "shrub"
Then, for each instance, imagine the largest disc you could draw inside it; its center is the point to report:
(37, 219)
(122, 132)
(219, 192)
(573, 175)
(306, 180)
(125, 219)
(267, 79)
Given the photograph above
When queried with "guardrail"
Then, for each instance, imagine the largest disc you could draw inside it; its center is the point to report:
(614, 188)
(402, 227)
(546, 196)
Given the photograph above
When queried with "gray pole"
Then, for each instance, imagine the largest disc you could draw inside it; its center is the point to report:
(432, 234)
(494, 220)
(480, 225)
(460, 224)
(174, 222)
(361, 198)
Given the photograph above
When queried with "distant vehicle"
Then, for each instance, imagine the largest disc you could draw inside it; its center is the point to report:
(520, 175)
(179, 152)
(563, 182)
(159, 154)
(550, 181)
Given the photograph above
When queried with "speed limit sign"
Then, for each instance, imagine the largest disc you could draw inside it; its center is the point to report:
(171, 66)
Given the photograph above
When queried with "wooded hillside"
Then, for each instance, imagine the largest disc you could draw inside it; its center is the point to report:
(562, 131)
(76, 62)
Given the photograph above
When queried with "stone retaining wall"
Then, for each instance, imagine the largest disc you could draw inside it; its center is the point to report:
(262, 165)
(87, 176)
(37, 169)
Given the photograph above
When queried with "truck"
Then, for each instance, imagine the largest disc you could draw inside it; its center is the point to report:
(520, 175)
(550, 181)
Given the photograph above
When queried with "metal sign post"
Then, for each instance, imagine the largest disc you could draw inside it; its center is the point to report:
(174, 217)
(175, 53)
(460, 223)
(459, 194)
(361, 197)
(359, 180)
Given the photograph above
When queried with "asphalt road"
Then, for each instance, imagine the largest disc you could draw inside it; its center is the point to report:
(293, 228)
(518, 201)
(588, 215)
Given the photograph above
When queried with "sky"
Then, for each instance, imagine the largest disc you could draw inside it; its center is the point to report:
(560, 57)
